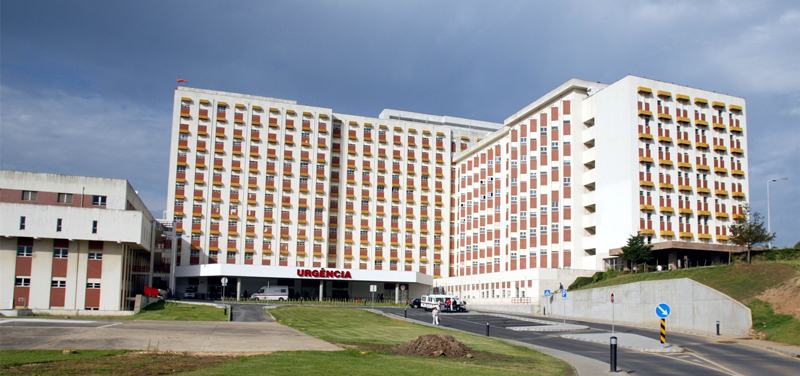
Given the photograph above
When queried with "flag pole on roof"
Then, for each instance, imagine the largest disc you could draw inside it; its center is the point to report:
(179, 82)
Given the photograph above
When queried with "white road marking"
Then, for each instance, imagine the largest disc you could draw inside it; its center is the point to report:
(720, 368)
(106, 326)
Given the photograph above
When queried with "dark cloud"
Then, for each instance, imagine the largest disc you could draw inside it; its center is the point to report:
(485, 60)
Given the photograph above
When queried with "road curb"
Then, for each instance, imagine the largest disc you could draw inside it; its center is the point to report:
(668, 350)
(794, 353)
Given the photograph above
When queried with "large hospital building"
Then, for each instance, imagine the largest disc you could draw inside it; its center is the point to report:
(265, 190)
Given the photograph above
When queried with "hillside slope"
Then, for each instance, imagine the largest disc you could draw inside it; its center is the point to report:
(770, 289)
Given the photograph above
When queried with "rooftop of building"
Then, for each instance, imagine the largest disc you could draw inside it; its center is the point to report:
(75, 184)
(469, 125)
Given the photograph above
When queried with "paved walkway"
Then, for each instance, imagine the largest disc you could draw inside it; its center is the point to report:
(546, 326)
(194, 336)
(626, 340)
(584, 366)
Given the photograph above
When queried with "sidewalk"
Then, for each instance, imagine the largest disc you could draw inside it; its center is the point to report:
(628, 341)
(793, 351)
(546, 326)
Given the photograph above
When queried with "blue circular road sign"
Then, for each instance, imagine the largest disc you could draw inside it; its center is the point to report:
(662, 310)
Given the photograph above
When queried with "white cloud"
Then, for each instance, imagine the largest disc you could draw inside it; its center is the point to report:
(762, 57)
(58, 132)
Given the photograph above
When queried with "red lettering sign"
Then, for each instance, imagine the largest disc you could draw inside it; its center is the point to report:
(322, 273)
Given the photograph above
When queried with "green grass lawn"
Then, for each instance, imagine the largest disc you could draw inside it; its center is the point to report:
(357, 362)
(739, 281)
(163, 311)
(361, 331)
(180, 312)
(777, 327)
(13, 358)
(354, 326)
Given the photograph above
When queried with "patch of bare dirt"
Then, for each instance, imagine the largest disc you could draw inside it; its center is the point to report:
(133, 364)
(785, 299)
(434, 345)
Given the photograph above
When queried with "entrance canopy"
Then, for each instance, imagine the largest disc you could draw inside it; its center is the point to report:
(267, 271)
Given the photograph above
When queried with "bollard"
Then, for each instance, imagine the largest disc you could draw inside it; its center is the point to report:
(613, 354)
(405, 313)
(487, 328)
(225, 312)
(717, 327)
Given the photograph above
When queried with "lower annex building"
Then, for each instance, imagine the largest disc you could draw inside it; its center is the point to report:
(74, 243)
(265, 190)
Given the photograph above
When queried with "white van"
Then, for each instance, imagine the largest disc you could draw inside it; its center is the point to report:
(430, 301)
(271, 293)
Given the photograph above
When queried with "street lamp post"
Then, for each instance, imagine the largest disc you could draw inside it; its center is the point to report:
(769, 226)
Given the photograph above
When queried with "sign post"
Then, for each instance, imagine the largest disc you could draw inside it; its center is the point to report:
(224, 283)
(612, 313)
(564, 299)
(663, 311)
(372, 289)
(547, 294)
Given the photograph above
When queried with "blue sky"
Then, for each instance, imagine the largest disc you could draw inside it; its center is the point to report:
(86, 87)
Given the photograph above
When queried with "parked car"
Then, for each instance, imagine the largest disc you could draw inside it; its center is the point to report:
(190, 293)
(415, 303)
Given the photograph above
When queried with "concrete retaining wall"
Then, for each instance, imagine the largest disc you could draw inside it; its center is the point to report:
(695, 307)
(143, 301)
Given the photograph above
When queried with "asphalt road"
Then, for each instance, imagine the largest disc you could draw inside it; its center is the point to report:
(704, 356)
(249, 312)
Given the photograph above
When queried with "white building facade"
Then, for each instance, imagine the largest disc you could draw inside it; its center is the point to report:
(72, 243)
(496, 213)
(268, 182)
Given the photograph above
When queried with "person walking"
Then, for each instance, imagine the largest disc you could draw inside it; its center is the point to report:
(435, 315)
(447, 305)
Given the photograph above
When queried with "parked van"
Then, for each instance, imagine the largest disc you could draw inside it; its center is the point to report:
(271, 293)
(430, 301)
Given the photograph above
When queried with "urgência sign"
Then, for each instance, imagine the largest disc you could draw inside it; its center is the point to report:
(322, 273)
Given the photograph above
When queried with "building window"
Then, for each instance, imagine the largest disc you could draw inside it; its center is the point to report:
(24, 251)
(60, 253)
(59, 221)
(22, 282)
(29, 195)
(64, 198)
(99, 200)
(60, 284)
(95, 256)
(21, 223)
(94, 227)
(92, 285)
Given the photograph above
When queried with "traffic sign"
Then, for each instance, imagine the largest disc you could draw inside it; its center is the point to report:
(662, 310)
(564, 293)
(224, 281)
(547, 293)
(612, 298)
(403, 287)
(373, 288)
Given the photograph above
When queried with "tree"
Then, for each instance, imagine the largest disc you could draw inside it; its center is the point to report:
(797, 246)
(748, 230)
(636, 251)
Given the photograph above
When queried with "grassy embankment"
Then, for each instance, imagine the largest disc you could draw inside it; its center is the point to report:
(364, 335)
(161, 311)
(743, 282)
